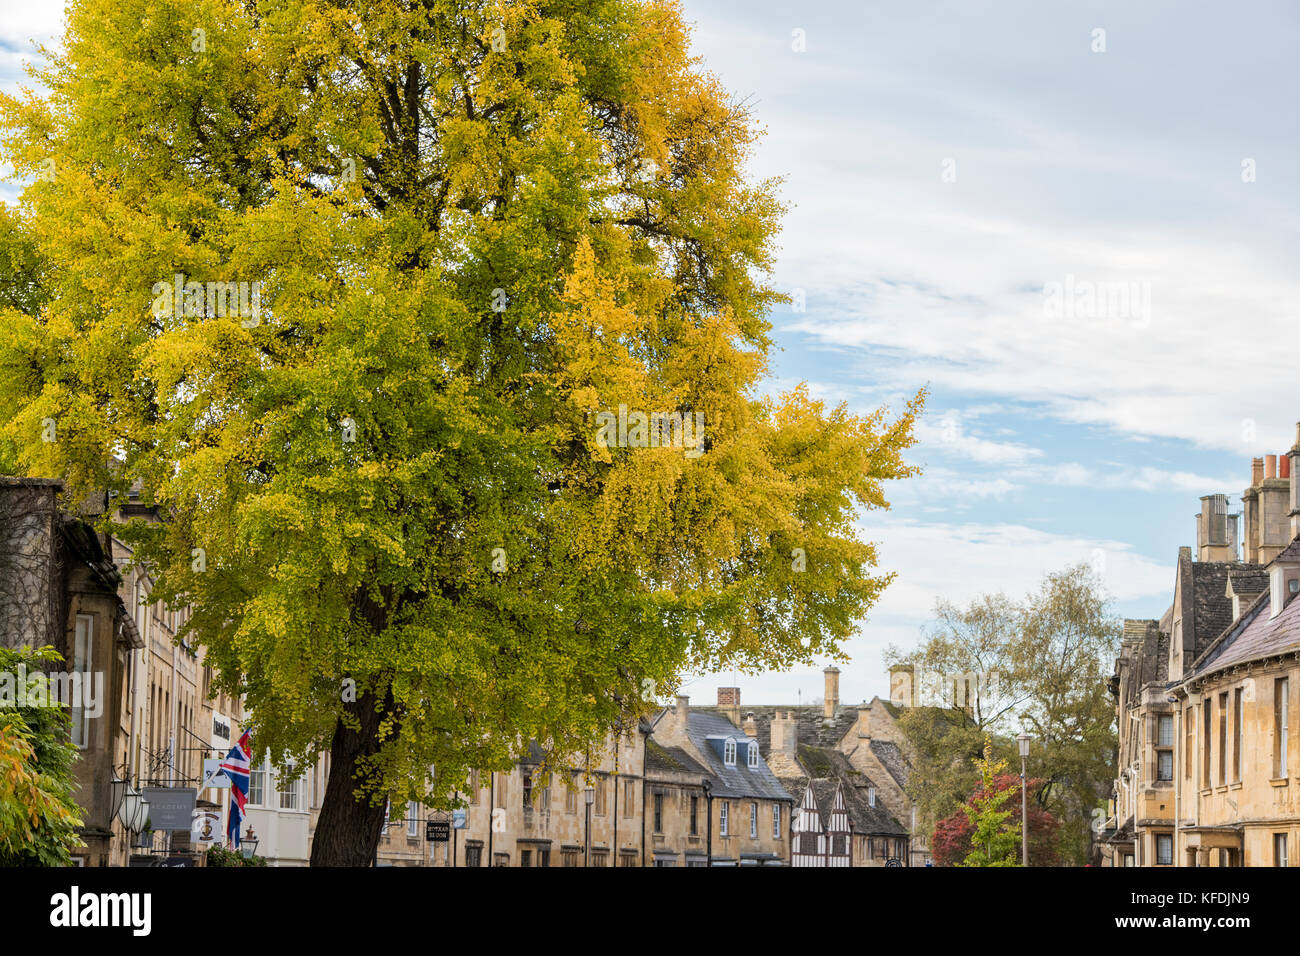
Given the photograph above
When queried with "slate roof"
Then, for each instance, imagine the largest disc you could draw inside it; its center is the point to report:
(830, 769)
(1254, 636)
(740, 780)
(891, 755)
(1290, 553)
(810, 723)
(1247, 582)
(1211, 606)
(670, 759)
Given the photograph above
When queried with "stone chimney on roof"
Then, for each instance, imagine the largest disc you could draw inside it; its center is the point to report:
(729, 703)
(902, 691)
(785, 743)
(832, 701)
(750, 727)
(1269, 504)
(1293, 465)
(1216, 530)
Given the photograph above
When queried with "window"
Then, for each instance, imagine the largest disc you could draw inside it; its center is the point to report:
(599, 784)
(753, 821)
(629, 798)
(729, 753)
(837, 845)
(751, 750)
(1205, 743)
(257, 783)
(1281, 688)
(525, 858)
(500, 859)
(1164, 765)
(1164, 747)
(776, 820)
(82, 652)
(473, 856)
(570, 801)
(723, 810)
(626, 859)
(1223, 738)
(659, 813)
(600, 858)
(871, 796)
(527, 795)
(1236, 734)
(871, 848)
(569, 856)
(503, 791)
(291, 794)
(412, 819)
(695, 827)
(1164, 849)
(1188, 756)
(1279, 850)
(544, 857)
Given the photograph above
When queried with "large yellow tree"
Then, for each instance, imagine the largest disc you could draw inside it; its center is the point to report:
(347, 290)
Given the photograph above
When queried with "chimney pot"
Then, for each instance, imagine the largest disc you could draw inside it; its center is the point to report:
(1270, 466)
(1256, 471)
(832, 691)
(1284, 466)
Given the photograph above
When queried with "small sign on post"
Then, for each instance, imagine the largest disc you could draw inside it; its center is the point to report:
(437, 831)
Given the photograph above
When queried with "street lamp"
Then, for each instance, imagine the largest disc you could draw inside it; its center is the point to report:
(589, 794)
(248, 845)
(1023, 741)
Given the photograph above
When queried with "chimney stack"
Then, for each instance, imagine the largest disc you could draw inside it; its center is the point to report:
(1293, 475)
(832, 692)
(1216, 530)
(902, 692)
(751, 728)
(729, 703)
(785, 739)
(683, 711)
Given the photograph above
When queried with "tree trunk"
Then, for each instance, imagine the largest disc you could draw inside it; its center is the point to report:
(348, 831)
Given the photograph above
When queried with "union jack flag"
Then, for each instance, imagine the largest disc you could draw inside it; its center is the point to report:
(236, 767)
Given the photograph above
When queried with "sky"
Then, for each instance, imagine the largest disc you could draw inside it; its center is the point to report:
(1070, 222)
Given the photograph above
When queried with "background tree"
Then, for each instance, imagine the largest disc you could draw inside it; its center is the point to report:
(38, 816)
(951, 842)
(994, 835)
(1051, 653)
(476, 225)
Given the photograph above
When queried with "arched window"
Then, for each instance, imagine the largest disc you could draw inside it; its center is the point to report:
(729, 753)
(752, 750)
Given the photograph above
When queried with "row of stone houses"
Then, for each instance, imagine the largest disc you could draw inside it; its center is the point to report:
(819, 785)
(1208, 695)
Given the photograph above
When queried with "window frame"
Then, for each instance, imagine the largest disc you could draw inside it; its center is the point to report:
(729, 752)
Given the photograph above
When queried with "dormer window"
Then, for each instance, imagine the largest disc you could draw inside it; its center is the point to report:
(751, 749)
(729, 753)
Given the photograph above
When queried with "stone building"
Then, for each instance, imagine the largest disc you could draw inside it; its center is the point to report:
(524, 818)
(746, 810)
(59, 588)
(1206, 696)
(869, 738)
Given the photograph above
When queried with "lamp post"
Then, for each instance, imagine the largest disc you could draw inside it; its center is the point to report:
(248, 845)
(1023, 741)
(589, 795)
